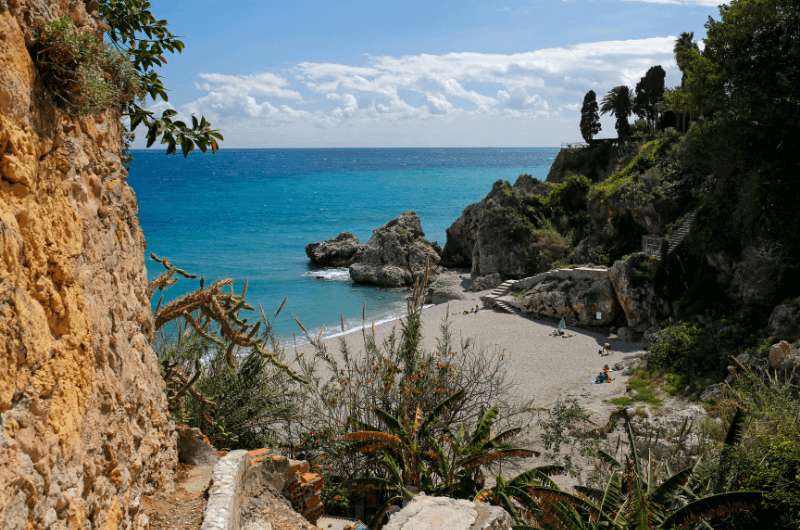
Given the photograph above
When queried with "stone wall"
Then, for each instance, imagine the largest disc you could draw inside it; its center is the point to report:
(261, 489)
(84, 430)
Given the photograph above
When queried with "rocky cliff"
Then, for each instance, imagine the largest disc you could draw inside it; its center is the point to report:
(504, 235)
(596, 161)
(84, 430)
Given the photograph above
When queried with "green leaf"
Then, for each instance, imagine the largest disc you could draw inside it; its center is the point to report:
(713, 506)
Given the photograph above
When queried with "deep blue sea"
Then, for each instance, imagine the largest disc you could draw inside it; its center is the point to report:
(248, 214)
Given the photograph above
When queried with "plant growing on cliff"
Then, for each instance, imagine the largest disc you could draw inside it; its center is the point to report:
(144, 39)
(590, 119)
(86, 75)
(81, 73)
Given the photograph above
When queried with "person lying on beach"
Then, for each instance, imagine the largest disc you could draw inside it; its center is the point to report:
(604, 376)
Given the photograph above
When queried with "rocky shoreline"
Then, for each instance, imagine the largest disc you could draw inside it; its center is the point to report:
(477, 256)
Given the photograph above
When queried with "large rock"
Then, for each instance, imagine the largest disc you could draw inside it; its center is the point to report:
(445, 287)
(596, 161)
(84, 426)
(435, 513)
(339, 252)
(759, 274)
(577, 295)
(632, 279)
(502, 236)
(396, 254)
(784, 322)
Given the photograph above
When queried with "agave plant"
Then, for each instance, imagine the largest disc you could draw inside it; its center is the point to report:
(459, 457)
(514, 496)
(632, 498)
(419, 453)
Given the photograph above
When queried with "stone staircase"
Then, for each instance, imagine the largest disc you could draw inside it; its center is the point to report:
(680, 233)
(493, 298)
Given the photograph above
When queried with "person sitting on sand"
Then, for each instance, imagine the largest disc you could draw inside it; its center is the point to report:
(606, 351)
(604, 376)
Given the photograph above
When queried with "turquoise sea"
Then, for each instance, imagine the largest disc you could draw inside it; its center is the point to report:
(248, 214)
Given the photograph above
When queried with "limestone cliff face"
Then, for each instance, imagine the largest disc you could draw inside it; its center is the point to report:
(84, 430)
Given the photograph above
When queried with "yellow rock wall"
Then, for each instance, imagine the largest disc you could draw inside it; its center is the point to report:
(84, 431)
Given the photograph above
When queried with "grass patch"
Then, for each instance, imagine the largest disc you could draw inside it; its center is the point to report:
(643, 387)
(646, 158)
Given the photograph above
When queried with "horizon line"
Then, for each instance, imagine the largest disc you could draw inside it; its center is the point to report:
(143, 149)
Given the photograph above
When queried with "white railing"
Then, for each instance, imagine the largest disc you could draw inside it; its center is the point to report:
(574, 145)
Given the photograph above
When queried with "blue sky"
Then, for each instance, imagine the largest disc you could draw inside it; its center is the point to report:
(412, 73)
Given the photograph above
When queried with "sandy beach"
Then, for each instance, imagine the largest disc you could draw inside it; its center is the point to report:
(542, 367)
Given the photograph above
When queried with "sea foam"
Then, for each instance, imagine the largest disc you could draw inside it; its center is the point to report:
(333, 274)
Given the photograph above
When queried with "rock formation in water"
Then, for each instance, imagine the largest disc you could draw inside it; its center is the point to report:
(84, 428)
(396, 254)
(341, 251)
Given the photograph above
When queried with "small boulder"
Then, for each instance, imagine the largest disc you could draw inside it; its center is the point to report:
(711, 393)
(784, 322)
(779, 352)
(193, 446)
(434, 513)
(339, 252)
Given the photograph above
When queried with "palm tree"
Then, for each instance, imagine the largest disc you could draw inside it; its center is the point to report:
(631, 499)
(618, 102)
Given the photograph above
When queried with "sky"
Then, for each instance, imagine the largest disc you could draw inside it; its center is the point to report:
(411, 73)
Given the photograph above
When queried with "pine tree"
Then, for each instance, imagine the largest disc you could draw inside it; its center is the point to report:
(590, 119)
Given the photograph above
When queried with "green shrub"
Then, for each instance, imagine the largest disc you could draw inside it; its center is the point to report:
(567, 202)
(551, 247)
(698, 353)
(80, 72)
(768, 454)
(647, 157)
(677, 347)
(569, 195)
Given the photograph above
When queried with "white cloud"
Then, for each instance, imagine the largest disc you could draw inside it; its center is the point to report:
(313, 102)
